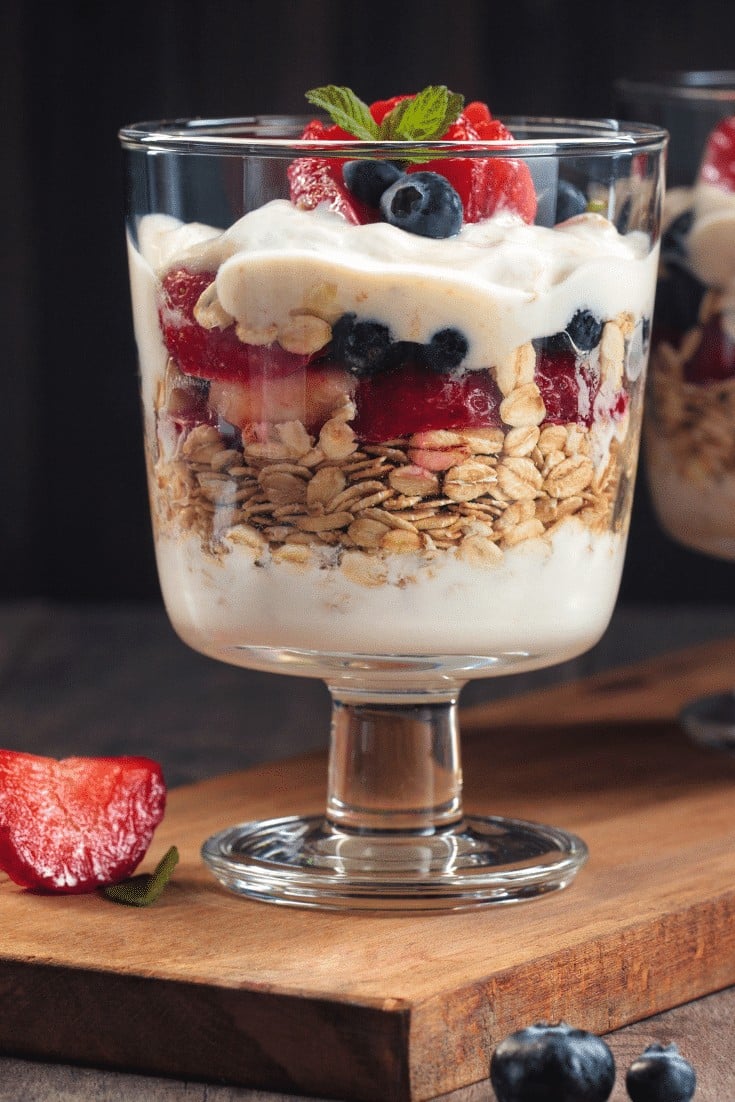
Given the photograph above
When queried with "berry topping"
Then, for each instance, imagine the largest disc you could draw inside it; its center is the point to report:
(484, 185)
(362, 346)
(416, 400)
(367, 180)
(552, 1063)
(718, 163)
(714, 359)
(570, 201)
(445, 351)
(76, 824)
(423, 203)
(661, 1074)
(212, 353)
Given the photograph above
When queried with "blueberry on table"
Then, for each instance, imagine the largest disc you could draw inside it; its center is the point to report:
(362, 346)
(552, 1063)
(367, 180)
(423, 203)
(661, 1074)
(570, 201)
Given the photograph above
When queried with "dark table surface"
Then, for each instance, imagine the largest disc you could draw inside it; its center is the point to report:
(114, 679)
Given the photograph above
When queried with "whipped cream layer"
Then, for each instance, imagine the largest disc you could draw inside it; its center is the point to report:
(500, 282)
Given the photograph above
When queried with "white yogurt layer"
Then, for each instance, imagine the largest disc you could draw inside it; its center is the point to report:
(501, 282)
(546, 601)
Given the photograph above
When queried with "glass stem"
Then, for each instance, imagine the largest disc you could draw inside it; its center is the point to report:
(394, 766)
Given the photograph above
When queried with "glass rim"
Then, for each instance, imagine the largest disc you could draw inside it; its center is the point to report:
(554, 136)
(694, 86)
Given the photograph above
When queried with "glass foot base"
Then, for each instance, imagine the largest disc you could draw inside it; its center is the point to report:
(307, 862)
(710, 721)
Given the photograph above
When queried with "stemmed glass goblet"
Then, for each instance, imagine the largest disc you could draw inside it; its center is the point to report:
(690, 428)
(392, 460)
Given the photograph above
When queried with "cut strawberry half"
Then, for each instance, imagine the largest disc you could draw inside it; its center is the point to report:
(718, 162)
(400, 403)
(714, 359)
(485, 185)
(213, 353)
(317, 181)
(310, 397)
(77, 824)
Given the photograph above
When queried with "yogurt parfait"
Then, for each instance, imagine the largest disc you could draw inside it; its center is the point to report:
(690, 437)
(394, 409)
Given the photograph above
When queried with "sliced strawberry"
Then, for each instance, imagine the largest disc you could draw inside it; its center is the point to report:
(317, 181)
(572, 391)
(74, 825)
(400, 403)
(484, 185)
(714, 359)
(718, 162)
(568, 391)
(212, 353)
(307, 396)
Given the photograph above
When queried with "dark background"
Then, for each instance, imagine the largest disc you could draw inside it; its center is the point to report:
(73, 512)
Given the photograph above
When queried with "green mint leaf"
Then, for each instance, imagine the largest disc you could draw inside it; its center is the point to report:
(424, 118)
(146, 888)
(346, 110)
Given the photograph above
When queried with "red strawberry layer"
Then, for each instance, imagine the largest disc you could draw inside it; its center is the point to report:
(718, 162)
(413, 399)
(74, 825)
(212, 353)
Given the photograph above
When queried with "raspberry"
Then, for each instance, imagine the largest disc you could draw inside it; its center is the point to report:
(718, 162)
(413, 399)
(559, 382)
(74, 825)
(212, 353)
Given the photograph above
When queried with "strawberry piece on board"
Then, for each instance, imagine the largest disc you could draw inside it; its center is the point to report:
(74, 825)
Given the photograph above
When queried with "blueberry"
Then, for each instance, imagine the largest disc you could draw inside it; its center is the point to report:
(570, 201)
(585, 330)
(552, 1063)
(423, 203)
(678, 298)
(445, 351)
(582, 334)
(673, 240)
(661, 1074)
(362, 346)
(367, 180)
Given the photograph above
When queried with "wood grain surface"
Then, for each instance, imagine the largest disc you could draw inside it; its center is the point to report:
(208, 986)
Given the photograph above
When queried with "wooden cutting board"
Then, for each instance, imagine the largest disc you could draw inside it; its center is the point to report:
(379, 1007)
